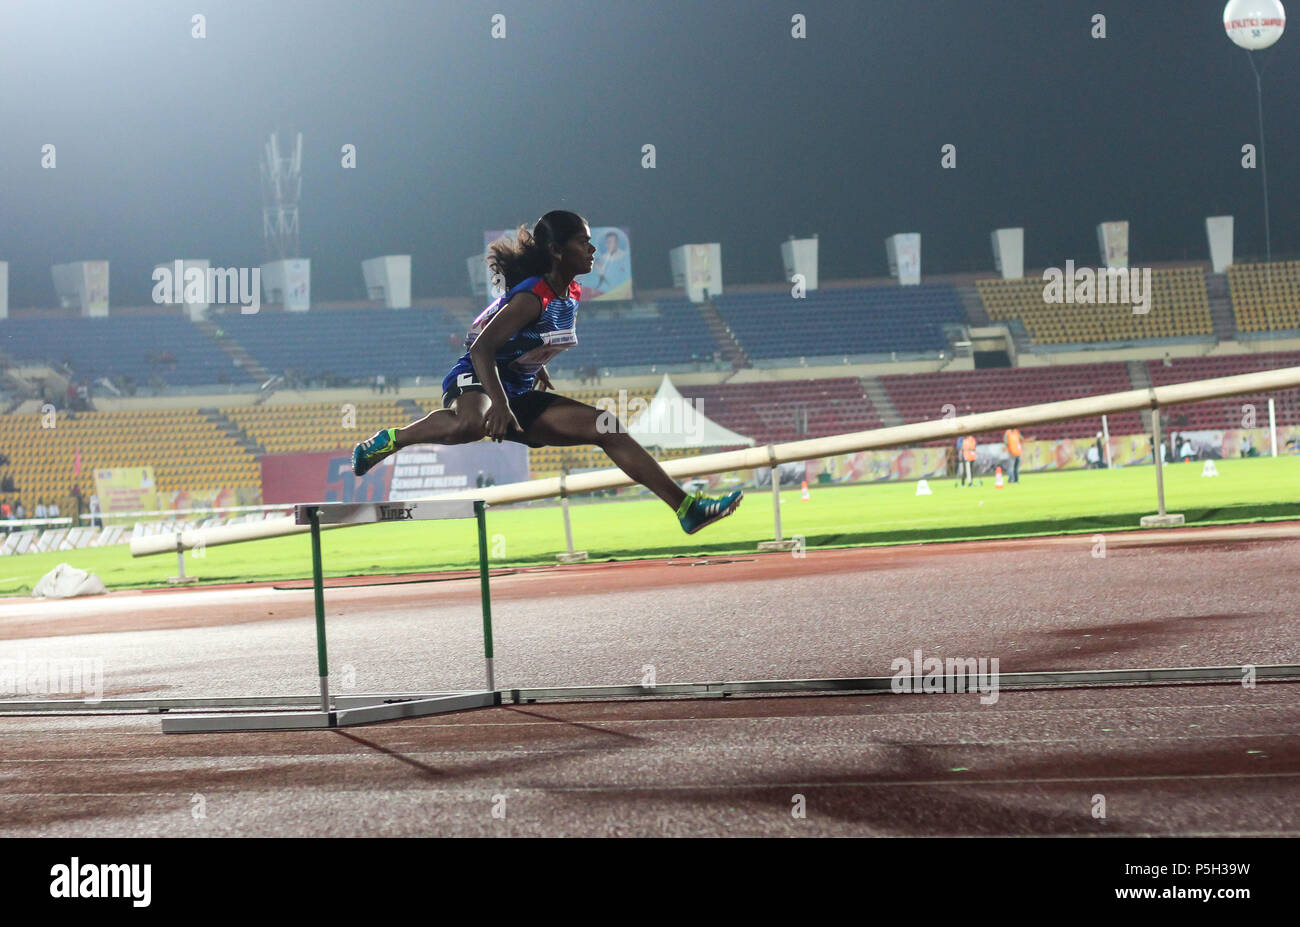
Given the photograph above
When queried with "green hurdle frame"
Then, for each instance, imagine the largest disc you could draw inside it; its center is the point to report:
(347, 711)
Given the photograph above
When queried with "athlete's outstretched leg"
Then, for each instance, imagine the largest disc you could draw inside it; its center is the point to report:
(459, 424)
(566, 422)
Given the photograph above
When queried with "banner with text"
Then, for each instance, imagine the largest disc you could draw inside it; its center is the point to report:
(126, 489)
(411, 473)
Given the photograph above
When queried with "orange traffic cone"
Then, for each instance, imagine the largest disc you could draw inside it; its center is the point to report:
(806, 496)
(997, 479)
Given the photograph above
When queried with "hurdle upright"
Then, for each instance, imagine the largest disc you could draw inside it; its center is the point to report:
(344, 712)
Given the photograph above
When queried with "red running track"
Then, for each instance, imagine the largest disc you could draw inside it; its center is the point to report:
(1185, 760)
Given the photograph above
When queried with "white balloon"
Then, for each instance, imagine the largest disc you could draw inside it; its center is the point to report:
(1254, 24)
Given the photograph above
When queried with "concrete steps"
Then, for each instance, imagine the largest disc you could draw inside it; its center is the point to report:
(234, 350)
(1140, 377)
(243, 438)
(731, 349)
(880, 401)
(1221, 314)
(413, 410)
(973, 305)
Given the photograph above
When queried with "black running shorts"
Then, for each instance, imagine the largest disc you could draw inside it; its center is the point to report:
(526, 406)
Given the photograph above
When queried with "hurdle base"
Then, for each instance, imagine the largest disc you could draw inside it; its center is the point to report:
(182, 580)
(578, 556)
(787, 544)
(326, 720)
(1162, 521)
(348, 702)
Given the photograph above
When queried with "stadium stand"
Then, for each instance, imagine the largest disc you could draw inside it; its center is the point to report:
(1227, 413)
(1179, 308)
(663, 333)
(852, 321)
(197, 449)
(142, 346)
(1265, 297)
(926, 396)
(285, 429)
(787, 410)
(355, 344)
(187, 450)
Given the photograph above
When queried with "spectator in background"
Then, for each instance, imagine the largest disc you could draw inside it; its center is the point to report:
(1101, 452)
(19, 512)
(1093, 457)
(968, 460)
(76, 499)
(380, 380)
(397, 385)
(1245, 446)
(41, 510)
(1013, 442)
(1186, 452)
(7, 483)
(53, 510)
(95, 520)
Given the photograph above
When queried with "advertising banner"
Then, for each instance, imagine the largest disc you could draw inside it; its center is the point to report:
(411, 473)
(216, 498)
(96, 301)
(611, 274)
(126, 489)
(1112, 240)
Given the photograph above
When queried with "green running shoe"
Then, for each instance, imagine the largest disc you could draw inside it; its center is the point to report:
(700, 510)
(368, 453)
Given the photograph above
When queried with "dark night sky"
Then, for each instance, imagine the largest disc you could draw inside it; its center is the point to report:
(758, 135)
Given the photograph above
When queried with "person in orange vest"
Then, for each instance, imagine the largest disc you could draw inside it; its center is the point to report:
(968, 460)
(1012, 439)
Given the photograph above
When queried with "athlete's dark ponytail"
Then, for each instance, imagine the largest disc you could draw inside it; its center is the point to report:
(530, 253)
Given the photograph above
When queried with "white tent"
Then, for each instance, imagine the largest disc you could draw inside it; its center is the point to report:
(672, 421)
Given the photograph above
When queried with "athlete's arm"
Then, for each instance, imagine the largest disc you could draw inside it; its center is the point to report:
(523, 309)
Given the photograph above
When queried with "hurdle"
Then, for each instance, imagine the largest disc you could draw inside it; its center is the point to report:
(332, 712)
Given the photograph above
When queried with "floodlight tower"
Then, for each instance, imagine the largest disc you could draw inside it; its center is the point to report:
(281, 185)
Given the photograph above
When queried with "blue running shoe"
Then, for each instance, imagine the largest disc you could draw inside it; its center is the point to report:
(700, 510)
(368, 453)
